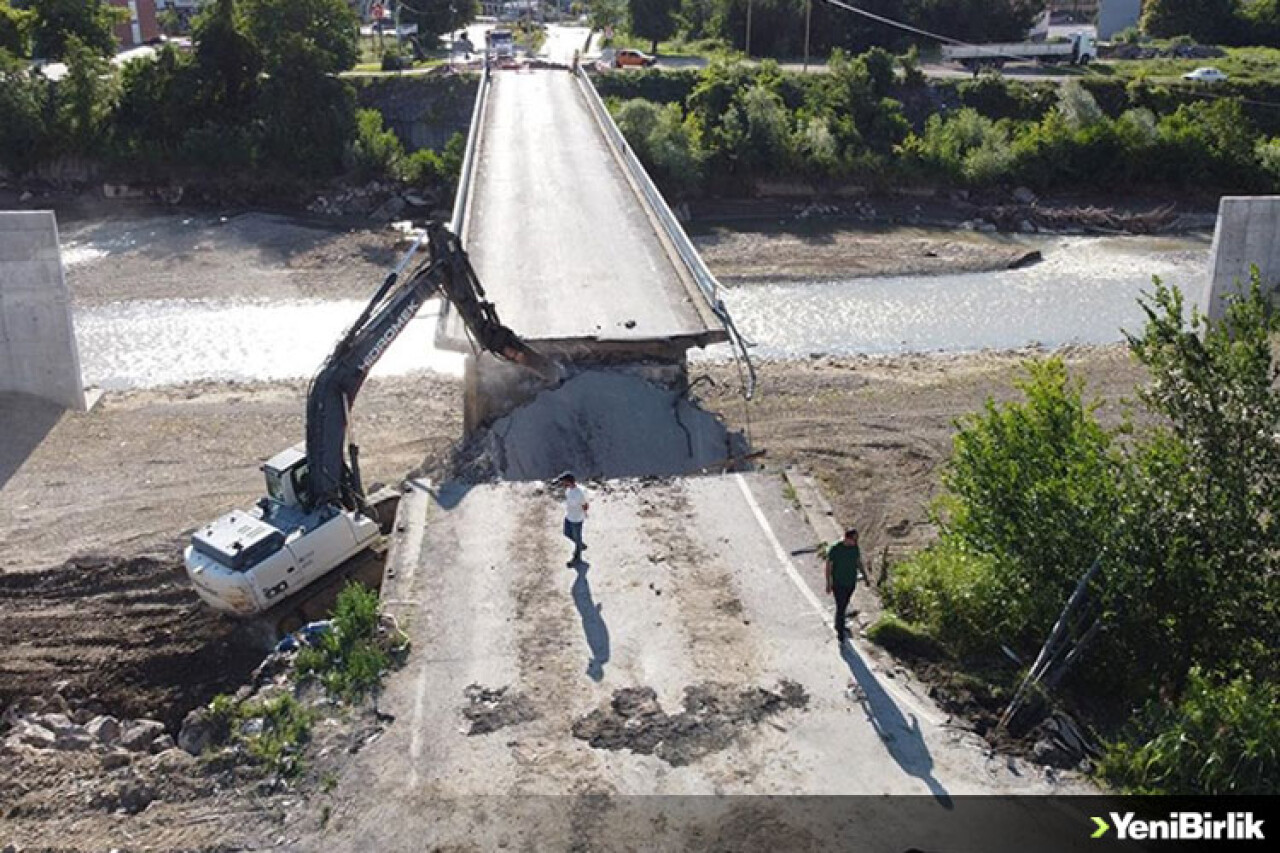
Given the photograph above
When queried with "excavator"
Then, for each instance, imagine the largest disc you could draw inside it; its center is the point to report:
(315, 515)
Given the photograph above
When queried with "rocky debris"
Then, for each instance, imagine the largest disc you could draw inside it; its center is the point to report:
(489, 710)
(714, 715)
(605, 424)
(816, 209)
(380, 201)
(1071, 219)
(116, 759)
(28, 733)
(1022, 195)
(200, 731)
(139, 735)
(104, 729)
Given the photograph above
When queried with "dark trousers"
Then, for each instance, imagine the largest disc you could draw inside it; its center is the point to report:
(843, 594)
(573, 532)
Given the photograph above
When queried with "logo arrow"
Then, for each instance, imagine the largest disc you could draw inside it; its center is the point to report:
(1102, 827)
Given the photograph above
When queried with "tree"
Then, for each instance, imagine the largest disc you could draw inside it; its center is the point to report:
(437, 17)
(1206, 21)
(15, 29)
(228, 61)
(281, 27)
(86, 97)
(975, 20)
(652, 19)
(90, 21)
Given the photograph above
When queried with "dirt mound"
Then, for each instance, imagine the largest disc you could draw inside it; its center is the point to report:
(607, 424)
(127, 635)
(490, 710)
(713, 716)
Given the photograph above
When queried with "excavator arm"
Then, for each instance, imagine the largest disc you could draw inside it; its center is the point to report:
(333, 480)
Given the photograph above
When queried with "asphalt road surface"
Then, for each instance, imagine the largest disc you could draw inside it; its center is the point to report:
(690, 584)
(559, 238)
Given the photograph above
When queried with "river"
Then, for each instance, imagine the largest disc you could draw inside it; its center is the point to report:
(1084, 291)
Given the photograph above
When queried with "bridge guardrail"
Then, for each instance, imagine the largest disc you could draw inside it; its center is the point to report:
(703, 277)
(462, 197)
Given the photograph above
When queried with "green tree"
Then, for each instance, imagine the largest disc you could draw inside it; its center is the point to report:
(1261, 20)
(15, 29)
(85, 97)
(307, 114)
(328, 28)
(229, 63)
(975, 20)
(1206, 21)
(437, 17)
(1198, 521)
(24, 132)
(652, 19)
(89, 21)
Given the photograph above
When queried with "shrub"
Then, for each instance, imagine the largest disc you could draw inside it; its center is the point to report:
(1223, 737)
(1030, 497)
(375, 152)
(349, 660)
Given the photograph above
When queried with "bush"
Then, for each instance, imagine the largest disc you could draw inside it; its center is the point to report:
(1029, 502)
(375, 152)
(349, 660)
(969, 601)
(1223, 737)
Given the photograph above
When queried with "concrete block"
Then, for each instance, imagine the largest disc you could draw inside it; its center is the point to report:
(1247, 234)
(38, 353)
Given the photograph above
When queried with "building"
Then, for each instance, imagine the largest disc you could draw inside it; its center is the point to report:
(1109, 16)
(1117, 15)
(142, 25)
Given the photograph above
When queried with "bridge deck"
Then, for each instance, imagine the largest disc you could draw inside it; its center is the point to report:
(561, 241)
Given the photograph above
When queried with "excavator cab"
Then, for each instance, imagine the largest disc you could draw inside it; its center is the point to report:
(288, 478)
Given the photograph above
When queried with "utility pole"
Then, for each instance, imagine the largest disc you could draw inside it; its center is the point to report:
(749, 28)
(808, 7)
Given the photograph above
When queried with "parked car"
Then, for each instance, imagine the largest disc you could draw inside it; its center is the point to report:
(1205, 75)
(628, 57)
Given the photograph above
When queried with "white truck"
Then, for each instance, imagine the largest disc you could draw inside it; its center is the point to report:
(1078, 49)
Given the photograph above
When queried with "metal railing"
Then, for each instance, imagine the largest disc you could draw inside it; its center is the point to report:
(463, 195)
(707, 283)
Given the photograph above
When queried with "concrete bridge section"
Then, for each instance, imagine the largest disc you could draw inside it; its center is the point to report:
(566, 241)
(38, 353)
(1247, 234)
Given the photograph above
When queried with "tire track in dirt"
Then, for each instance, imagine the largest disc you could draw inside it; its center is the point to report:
(129, 634)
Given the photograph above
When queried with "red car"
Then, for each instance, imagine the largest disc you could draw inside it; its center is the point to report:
(629, 58)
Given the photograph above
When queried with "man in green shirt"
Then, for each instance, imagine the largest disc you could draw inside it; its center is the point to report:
(844, 564)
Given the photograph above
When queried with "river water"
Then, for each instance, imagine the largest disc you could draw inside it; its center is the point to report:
(1084, 291)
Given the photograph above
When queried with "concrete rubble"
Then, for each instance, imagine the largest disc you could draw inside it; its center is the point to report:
(608, 424)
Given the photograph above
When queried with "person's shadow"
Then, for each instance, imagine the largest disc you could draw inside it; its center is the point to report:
(904, 742)
(592, 622)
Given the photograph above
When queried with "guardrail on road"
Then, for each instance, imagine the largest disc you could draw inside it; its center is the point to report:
(706, 282)
(462, 198)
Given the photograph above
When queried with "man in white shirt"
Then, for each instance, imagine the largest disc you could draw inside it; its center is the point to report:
(575, 513)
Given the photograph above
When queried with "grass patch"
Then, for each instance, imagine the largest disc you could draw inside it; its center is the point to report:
(1241, 65)
(904, 639)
